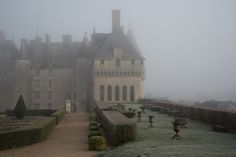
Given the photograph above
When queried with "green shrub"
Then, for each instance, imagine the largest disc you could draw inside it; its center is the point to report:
(94, 133)
(93, 128)
(25, 136)
(123, 133)
(97, 143)
(93, 124)
(20, 108)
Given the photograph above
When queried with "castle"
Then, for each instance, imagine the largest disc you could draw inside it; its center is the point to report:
(107, 68)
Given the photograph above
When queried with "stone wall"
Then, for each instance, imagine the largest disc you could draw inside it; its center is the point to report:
(211, 116)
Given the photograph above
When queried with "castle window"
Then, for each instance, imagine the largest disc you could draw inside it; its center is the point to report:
(49, 106)
(74, 95)
(49, 95)
(74, 83)
(36, 106)
(132, 61)
(132, 93)
(124, 93)
(101, 93)
(37, 72)
(37, 95)
(117, 52)
(141, 61)
(36, 83)
(50, 71)
(49, 83)
(117, 61)
(117, 93)
(109, 93)
(102, 61)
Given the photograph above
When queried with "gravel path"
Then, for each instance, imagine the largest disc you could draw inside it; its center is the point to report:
(68, 139)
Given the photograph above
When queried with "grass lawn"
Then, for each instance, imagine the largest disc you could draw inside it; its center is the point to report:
(198, 140)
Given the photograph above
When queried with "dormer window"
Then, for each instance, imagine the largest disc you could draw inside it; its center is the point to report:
(117, 61)
(117, 52)
(132, 61)
(141, 61)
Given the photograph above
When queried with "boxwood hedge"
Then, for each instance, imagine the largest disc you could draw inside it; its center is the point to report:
(29, 135)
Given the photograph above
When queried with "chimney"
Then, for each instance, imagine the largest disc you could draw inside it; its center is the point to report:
(67, 38)
(47, 38)
(2, 36)
(115, 19)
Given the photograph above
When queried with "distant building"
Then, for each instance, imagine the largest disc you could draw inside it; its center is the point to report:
(8, 56)
(107, 68)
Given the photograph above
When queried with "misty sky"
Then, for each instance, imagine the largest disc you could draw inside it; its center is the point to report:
(189, 45)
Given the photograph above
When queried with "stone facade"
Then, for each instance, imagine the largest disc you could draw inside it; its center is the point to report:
(121, 78)
(118, 67)
(107, 68)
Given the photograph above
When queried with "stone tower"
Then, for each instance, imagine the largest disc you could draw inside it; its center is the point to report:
(118, 66)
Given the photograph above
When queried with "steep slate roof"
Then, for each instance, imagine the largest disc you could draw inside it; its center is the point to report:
(117, 39)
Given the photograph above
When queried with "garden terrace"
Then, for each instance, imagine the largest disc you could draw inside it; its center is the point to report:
(223, 118)
(197, 139)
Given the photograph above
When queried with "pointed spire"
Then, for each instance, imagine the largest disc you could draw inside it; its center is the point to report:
(94, 30)
(37, 31)
(129, 27)
(85, 39)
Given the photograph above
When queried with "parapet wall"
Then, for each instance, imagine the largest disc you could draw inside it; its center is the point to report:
(211, 116)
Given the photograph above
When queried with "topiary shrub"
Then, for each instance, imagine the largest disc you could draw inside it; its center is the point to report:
(20, 108)
(94, 133)
(93, 128)
(93, 124)
(97, 143)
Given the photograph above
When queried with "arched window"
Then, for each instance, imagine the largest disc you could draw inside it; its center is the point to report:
(124, 93)
(109, 93)
(101, 93)
(117, 93)
(132, 93)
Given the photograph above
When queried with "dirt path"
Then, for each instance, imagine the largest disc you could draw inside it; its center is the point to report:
(68, 139)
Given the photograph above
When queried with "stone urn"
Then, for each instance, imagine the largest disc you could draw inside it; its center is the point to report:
(143, 109)
(176, 127)
(139, 116)
(150, 121)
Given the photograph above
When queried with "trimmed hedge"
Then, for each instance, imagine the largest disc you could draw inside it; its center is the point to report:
(25, 136)
(97, 143)
(93, 128)
(93, 124)
(119, 128)
(59, 114)
(42, 112)
(94, 133)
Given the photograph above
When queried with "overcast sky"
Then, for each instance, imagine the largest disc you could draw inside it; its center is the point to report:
(189, 45)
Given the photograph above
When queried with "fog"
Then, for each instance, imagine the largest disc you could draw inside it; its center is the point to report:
(189, 45)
